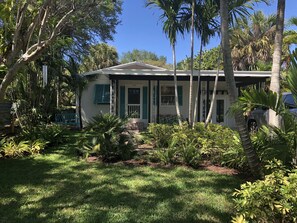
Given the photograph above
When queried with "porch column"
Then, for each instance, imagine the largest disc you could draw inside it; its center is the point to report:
(207, 97)
(117, 98)
(158, 101)
(111, 97)
(149, 101)
(199, 101)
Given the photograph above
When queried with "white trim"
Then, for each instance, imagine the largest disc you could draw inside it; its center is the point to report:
(204, 73)
(122, 66)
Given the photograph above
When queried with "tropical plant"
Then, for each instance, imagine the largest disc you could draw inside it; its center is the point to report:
(100, 56)
(53, 134)
(250, 152)
(106, 137)
(171, 26)
(272, 199)
(11, 148)
(160, 134)
(276, 63)
(252, 41)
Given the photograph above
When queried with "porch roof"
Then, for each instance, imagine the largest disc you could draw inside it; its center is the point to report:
(180, 73)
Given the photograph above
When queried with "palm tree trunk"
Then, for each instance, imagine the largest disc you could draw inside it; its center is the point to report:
(175, 86)
(250, 153)
(192, 67)
(198, 81)
(274, 120)
(79, 110)
(213, 93)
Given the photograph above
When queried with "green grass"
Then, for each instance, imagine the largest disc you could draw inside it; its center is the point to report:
(57, 187)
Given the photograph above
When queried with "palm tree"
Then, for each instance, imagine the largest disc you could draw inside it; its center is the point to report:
(171, 26)
(276, 63)
(251, 154)
(252, 41)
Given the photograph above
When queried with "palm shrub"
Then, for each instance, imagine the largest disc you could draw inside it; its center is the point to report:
(113, 142)
(272, 199)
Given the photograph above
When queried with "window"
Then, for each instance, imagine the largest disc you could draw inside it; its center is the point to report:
(168, 96)
(220, 111)
(102, 94)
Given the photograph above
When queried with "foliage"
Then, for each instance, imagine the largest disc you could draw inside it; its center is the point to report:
(28, 29)
(107, 137)
(275, 143)
(145, 57)
(100, 56)
(52, 133)
(160, 134)
(209, 61)
(270, 200)
(10, 148)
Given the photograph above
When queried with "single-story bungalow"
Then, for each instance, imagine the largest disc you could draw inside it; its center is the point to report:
(146, 93)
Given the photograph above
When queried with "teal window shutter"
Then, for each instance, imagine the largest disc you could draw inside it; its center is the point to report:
(122, 102)
(102, 94)
(180, 95)
(144, 103)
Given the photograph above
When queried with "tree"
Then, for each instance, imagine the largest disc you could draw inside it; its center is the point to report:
(276, 64)
(145, 57)
(251, 154)
(100, 56)
(252, 41)
(171, 26)
(28, 28)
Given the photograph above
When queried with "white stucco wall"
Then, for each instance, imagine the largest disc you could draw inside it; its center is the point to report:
(89, 108)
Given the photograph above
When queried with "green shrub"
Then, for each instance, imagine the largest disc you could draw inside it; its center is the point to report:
(107, 137)
(10, 148)
(52, 133)
(160, 134)
(215, 140)
(273, 199)
(275, 143)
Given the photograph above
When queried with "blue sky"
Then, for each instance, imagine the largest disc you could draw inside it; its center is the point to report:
(141, 29)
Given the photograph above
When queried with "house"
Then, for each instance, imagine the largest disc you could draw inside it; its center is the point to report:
(146, 93)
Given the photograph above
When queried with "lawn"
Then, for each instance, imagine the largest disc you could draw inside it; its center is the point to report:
(57, 187)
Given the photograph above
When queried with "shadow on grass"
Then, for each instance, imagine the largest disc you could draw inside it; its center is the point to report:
(56, 187)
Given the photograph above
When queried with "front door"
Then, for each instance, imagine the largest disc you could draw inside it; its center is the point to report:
(134, 108)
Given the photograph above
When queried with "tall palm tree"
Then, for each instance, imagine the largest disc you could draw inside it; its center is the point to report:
(251, 154)
(276, 63)
(252, 41)
(171, 26)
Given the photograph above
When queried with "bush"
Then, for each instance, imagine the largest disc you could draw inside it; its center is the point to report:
(216, 140)
(160, 134)
(270, 200)
(10, 148)
(274, 143)
(107, 137)
(182, 145)
(52, 133)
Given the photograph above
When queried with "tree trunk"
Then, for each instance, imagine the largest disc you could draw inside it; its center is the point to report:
(79, 109)
(250, 153)
(192, 67)
(175, 86)
(198, 82)
(274, 120)
(9, 77)
(209, 115)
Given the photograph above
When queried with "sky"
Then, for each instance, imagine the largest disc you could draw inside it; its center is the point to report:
(141, 29)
